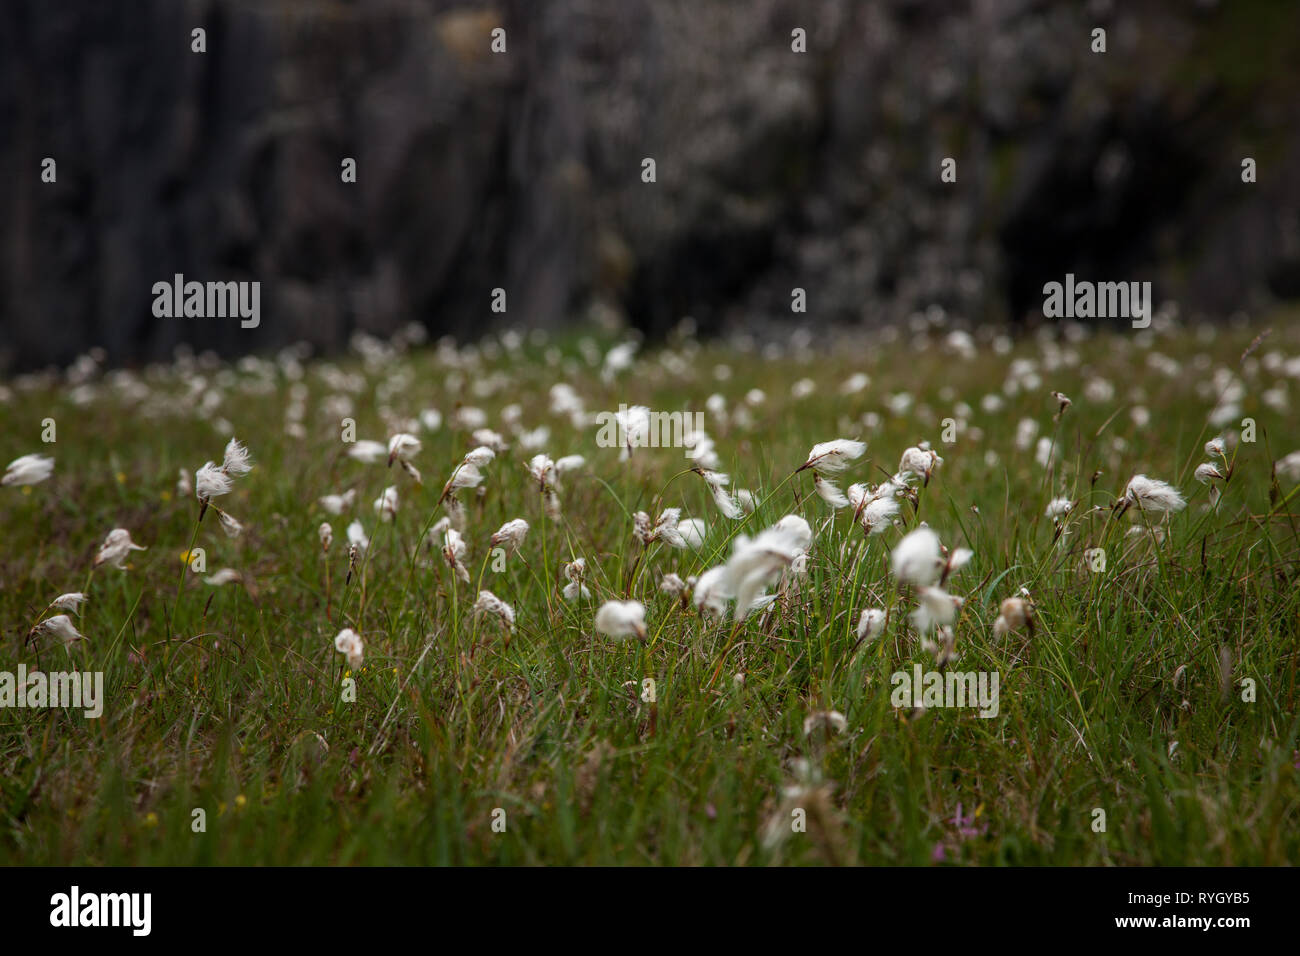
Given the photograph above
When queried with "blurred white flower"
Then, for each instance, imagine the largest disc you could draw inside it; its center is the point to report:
(918, 558)
(834, 456)
(116, 548)
(622, 619)
(61, 626)
(28, 470)
(489, 604)
(348, 643)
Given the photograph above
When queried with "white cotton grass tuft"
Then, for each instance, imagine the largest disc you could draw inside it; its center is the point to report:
(574, 572)
(357, 536)
(1288, 467)
(710, 592)
(871, 624)
(468, 474)
(368, 452)
(918, 558)
(326, 534)
(935, 608)
(1208, 472)
(1015, 614)
(919, 460)
(229, 524)
(1058, 508)
(488, 604)
(673, 585)
(28, 470)
(692, 531)
(402, 447)
(510, 535)
(116, 548)
(71, 601)
(224, 576)
(454, 552)
(348, 643)
(758, 563)
(830, 721)
(386, 504)
(1151, 494)
(236, 461)
(829, 492)
(874, 510)
(337, 504)
(211, 482)
(834, 456)
(621, 620)
(61, 626)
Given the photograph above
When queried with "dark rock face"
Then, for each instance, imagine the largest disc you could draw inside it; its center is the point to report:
(523, 170)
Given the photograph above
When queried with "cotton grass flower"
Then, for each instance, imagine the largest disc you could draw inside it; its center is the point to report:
(386, 504)
(211, 482)
(454, 553)
(711, 593)
(71, 601)
(401, 447)
(834, 456)
(829, 492)
(1207, 472)
(1058, 508)
(61, 626)
(918, 559)
(489, 605)
(757, 564)
(229, 524)
(116, 548)
(28, 470)
(692, 531)
(337, 504)
(348, 643)
(368, 452)
(1288, 467)
(919, 460)
(357, 536)
(935, 608)
(622, 619)
(871, 624)
(468, 474)
(1153, 495)
(511, 535)
(1015, 614)
(326, 535)
(236, 462)
(574, 572)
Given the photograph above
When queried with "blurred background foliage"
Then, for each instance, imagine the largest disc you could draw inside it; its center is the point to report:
(522, 170)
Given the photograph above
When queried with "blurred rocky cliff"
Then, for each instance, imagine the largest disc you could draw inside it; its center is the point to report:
(523, 170)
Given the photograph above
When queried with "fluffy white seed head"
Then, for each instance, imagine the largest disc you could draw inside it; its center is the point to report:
(918, 558)
(621, 619)
(28, 470)
(834, 456)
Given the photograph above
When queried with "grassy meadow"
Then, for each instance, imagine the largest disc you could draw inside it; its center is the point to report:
(1160, 690)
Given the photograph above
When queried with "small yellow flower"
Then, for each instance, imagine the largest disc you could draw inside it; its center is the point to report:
(151, 819)
(27, 489)
(121, 477)
(166, 496)
(240, 801)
